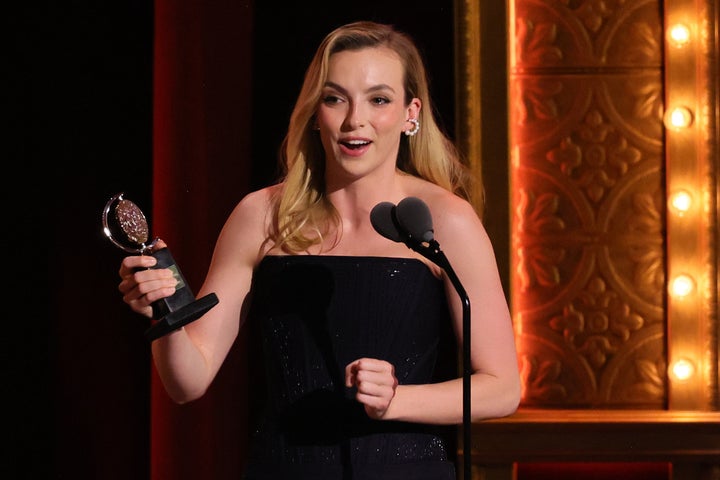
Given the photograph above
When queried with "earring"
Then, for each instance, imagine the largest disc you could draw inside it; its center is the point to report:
(415, 129)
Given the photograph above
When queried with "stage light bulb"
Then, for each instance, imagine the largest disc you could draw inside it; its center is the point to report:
(680, 201)
(678, 118)
(683, 369)
(682, 285)
(679, 35)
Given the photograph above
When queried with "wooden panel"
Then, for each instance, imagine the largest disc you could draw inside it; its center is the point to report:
(598, 435)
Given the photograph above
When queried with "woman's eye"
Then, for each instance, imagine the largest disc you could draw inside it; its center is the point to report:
(380, 100)
(331, 99)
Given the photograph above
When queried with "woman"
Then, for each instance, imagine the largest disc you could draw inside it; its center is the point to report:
(350, 323)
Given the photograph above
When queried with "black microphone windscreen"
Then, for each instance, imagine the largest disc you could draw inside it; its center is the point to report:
(413, 216)
(382, 219)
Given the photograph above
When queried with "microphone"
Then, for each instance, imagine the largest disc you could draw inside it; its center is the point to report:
(414, 217)
(383, 220)
(410, 222)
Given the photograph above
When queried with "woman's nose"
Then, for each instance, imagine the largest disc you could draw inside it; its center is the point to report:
(354, 118)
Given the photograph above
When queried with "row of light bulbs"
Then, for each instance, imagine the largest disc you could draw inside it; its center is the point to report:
(678, 117)
(680, 202)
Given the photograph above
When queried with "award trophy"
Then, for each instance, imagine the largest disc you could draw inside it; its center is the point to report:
(125, 225)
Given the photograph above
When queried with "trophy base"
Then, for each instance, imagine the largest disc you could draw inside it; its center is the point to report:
(181, 317)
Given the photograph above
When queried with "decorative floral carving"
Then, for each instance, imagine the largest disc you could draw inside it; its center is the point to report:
(540, 379)
(597, 322)
(649, 103)
(643, 43)
(605, 157)
(647, 251)
(651, 375)
(536, 101)
(535, 43)
(592, 13)
(538, 216)
(567, 156)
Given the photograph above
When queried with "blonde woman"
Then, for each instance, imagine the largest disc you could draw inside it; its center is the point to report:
(351, 323)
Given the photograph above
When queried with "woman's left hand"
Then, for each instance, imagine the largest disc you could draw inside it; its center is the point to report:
(375, 382)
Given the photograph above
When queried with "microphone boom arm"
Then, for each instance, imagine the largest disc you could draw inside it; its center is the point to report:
(431, 250)
(410, 222)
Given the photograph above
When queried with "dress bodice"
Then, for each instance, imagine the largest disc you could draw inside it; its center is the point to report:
(314, 315)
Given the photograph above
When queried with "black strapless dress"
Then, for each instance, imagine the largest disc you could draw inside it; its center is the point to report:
(315, 314)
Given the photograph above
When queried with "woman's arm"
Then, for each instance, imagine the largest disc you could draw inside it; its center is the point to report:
(495, 379)
(188, 359)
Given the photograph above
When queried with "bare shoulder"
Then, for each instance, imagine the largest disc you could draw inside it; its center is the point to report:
(247, 228)
(253, 213)
(255, 204)
(459, 231)
(451, 214)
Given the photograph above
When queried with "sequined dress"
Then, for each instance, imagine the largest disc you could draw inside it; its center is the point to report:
(314, 315)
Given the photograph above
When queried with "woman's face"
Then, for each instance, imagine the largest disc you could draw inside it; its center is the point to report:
(362, 112)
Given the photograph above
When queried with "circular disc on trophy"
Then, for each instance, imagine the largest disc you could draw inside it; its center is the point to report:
(125, 225)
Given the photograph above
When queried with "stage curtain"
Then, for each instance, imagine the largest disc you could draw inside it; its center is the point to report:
(201, 169)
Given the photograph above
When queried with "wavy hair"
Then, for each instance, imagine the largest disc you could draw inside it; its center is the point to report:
(302, 213)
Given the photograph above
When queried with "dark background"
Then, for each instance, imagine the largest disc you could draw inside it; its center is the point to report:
(76, 368)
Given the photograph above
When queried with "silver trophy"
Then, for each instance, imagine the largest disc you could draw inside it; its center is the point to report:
(126, 227)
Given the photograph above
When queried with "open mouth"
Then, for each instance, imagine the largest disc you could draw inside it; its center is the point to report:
(355, 144)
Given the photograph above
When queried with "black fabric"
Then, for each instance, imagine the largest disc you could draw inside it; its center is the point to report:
(316, 314)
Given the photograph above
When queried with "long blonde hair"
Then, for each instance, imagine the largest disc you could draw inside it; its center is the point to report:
(302, 212)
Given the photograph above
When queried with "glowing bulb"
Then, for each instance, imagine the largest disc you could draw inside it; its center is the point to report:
(679, 35)
(678, 117)
(682, 285)
(680, 201)
(683, 369)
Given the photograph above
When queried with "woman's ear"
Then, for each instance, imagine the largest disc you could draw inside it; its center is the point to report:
(413, 117)
(414, 107)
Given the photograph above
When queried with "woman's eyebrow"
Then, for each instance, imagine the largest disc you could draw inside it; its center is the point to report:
(374, 88)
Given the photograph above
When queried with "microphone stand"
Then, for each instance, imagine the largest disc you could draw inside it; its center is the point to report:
(432, 252)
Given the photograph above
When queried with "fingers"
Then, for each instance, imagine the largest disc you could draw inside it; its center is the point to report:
(369, 370)
(158, 245)
(141, 285)
(135, 262)
(375, 382)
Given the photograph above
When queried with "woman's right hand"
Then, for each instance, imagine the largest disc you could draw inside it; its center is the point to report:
(142, 285)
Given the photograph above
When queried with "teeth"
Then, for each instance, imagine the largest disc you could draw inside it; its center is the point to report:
(358, 142)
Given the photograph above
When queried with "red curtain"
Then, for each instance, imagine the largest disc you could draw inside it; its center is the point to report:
(201, 169)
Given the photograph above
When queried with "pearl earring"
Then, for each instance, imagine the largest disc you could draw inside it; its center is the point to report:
(415, 129)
